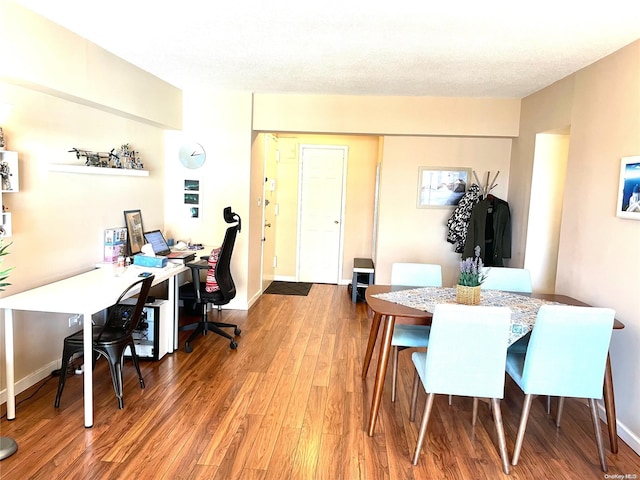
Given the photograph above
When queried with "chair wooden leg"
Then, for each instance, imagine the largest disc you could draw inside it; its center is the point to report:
(502, 443)
(394, 381)
(596, 427)
(560, 410)
(423, 426)
(414, 396)
(521, 429)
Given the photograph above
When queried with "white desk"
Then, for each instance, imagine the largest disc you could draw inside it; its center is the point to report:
(83, 294)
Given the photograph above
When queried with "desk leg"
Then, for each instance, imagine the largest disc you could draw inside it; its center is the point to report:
(87, 343)
(373, 336)
(172, 294)
(610, 407)
(9, 364)
(381, 372)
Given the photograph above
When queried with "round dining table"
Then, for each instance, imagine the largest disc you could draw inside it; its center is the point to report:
(388, 313)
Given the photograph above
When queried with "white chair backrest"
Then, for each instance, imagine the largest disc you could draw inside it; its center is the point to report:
(567, 352)
(507, 279)
(416, 274)
(467, 350)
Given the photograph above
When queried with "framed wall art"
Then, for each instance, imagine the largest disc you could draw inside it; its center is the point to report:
(628, 205)
(441, 187)
(135, 231)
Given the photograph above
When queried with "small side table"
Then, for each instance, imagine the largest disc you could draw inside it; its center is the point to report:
(361, 265)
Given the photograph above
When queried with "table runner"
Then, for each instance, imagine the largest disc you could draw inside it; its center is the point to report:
(524, 309)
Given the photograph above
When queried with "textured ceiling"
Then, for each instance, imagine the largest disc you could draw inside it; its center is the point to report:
(468, 48)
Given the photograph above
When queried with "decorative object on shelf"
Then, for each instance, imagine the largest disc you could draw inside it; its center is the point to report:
(192, 155)
(470, 280)
(5, 172)
(5, 109)
(9, 172)
(124, 158)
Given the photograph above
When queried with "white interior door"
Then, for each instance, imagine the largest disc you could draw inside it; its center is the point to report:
(321, 211)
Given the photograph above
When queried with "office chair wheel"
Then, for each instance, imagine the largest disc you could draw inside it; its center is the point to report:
(187, 347)
(237, 331)
(233, 345)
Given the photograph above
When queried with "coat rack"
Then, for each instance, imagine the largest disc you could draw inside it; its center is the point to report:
(488, 186)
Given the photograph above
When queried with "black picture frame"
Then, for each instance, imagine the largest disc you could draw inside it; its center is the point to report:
(135, 231)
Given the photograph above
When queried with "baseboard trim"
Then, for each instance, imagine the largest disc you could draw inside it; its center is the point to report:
(624, 433)
(31, 379)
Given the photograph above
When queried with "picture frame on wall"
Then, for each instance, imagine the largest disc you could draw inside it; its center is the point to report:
(135, 231)
(628, 205)
(442, 187)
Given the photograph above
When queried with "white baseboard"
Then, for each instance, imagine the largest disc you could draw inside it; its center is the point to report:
(284, 278)
(624, 433)
(31, 379)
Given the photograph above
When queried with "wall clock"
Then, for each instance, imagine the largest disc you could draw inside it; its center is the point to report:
(192, 155)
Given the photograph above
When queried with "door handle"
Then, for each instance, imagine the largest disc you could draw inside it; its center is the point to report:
(336, 222)
(267, 224)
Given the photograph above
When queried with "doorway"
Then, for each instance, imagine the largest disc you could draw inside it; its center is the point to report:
(268, 211)
(321, 210)
(545, 208)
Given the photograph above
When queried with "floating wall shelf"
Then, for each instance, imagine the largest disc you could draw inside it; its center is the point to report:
(57, 167)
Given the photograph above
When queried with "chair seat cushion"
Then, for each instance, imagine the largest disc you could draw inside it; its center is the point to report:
(515, 366)
(410, 335)
(520, 346)
(211, 282)
(108, 335)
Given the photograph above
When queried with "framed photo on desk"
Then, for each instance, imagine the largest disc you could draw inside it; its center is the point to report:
(135, 230)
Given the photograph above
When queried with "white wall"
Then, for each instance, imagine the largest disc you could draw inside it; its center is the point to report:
(410, 234)
(59, 218)
(598, 258)
(221, 123)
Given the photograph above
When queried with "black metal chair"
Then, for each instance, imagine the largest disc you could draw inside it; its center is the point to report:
(195, 294)
(111, 339)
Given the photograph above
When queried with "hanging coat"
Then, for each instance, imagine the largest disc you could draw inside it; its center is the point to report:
(459, 219)
(490, 228)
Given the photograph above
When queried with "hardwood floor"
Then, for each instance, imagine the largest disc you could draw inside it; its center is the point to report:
(289, 403)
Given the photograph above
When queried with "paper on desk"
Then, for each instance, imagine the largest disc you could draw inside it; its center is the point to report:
(147, 250)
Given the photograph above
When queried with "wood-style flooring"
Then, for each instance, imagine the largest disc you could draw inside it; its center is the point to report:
(289, 403)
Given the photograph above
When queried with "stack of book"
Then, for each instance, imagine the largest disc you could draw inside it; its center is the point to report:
(115, 244)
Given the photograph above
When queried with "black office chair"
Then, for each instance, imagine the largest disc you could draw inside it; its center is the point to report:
(111, 339)
(195, 294)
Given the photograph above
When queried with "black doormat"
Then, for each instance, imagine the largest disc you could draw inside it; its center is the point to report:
(289, 288)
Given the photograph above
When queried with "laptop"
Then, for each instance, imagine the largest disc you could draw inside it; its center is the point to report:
(161, 248)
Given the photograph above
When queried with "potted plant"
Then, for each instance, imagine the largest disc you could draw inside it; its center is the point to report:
(470, 279)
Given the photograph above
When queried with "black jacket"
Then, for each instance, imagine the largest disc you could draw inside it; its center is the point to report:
(494, 235)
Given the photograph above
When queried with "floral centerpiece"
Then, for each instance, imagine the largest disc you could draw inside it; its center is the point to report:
(470, 279)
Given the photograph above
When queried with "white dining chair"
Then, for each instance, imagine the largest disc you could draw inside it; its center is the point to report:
(411, 336)
(507, 279)
(517, 280)
(466, 357)
(567, 357)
